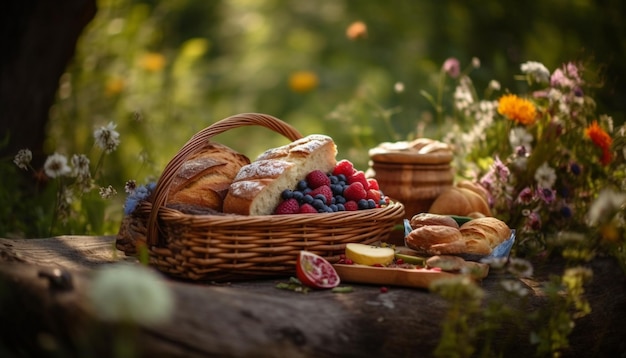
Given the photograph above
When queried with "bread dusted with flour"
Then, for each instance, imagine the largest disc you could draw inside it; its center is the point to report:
(257, 188)
(204, 178)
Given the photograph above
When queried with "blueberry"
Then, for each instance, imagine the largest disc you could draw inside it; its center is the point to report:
(298, 195)
(334, 207)
(318, 204)
(341, 178)
(307, 190)
(371, 203)
(302, 184)
(308, 199)
(286, 194)
(328, 209)
(340, 207)
(362, 204)
(321, 197)
(340, 199)
(333, 179)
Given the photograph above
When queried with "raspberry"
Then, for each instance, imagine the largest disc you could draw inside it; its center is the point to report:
(307, 209)
(317, 178)
(374, 194)
(359, 177)
(344, 167)
(372, 183)
(289, 206)
(324, 190)
(355, 192)
(351, 206)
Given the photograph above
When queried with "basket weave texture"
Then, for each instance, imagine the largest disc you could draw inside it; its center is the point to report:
(230, 247)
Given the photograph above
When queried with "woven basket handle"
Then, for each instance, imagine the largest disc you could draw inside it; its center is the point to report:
(196, 144)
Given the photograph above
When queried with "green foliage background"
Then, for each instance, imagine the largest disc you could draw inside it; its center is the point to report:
(227, 57)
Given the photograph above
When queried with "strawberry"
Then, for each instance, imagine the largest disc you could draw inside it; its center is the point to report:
(324, 190)
(359, 177)
(344, 167)
(351, 205)
(289, 206)
(307, 209)
(355, 192)
(373, 183)
(317, 178)
(375, 195)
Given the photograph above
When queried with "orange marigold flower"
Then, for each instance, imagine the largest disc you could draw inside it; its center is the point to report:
(303, 81)
(517, 109)
(602, 140)
(152, 62)
(356, 30)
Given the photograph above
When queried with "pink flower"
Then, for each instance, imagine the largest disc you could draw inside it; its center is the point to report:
(452, 67)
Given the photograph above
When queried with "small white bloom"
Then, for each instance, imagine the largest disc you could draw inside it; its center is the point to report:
(398, 87)
(515, 287)
(108, 192)
(537, 71)
(475, 62)
(545, 176)
(131, 293)
(22, 158)
(56, 166)
(494, 85)
(80, 166)
(520, 137)
(107, 138)
(607, 202)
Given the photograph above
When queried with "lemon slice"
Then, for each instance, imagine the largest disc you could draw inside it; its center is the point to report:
(369, 255)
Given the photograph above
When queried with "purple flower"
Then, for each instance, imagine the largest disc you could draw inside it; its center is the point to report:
(546, 194)
(452, 67)
(575, 168)
(566, 211)
(525, 196)
(533, 221)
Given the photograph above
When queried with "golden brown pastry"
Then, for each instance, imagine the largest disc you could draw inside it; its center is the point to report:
(423, 219)
(459, 201)
(203, 180)
(488, 229)
(423, 238)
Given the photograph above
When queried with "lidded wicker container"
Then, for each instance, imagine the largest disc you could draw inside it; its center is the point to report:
(227, 247)
(415, 179)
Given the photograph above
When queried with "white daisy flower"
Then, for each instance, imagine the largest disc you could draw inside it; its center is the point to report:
(56, 166)
(545, 176)
(537, 71)
(23, 158)
(107, 138)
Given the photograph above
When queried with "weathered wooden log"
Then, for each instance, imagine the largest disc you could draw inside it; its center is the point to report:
(242, 319)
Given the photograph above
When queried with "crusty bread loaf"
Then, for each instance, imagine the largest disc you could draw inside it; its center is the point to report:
(459, 201)
(257, 187)
(424, 219)
(204, 178)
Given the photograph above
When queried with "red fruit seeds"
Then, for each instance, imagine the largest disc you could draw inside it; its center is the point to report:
(315, 271)
(344, 167)
(355, 192)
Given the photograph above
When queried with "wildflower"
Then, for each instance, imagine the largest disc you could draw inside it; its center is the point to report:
(152, 62)
(606, 204)
(545, 176)
(356, 30)
(602, 140)
(536, 72)
(398, 87)
(575, 168)
(526, 196)
(107, 138)
(452, 67)
(533, 221)
(80, 166)
(136, 195)
(56, 166)
(514, 287)
(130, 293)
(113, 86)
(108, 192)
(517, 109)
(519, 137)
(566, 211)
(520, 267)
(23, 158)
(475, 62)
(494, 85)
(303, 81)
(130, 186)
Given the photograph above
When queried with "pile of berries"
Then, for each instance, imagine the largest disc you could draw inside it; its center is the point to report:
(345, 189)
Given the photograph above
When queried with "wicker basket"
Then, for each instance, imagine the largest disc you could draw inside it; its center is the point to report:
(229, 247)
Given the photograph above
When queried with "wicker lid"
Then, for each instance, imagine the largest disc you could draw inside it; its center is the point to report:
(418, 151)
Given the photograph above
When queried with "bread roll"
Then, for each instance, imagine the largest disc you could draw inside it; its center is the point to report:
(424, 219)
(489, 229)
(204, 178)
(459, 201)
(257, 187)
(423, 238)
